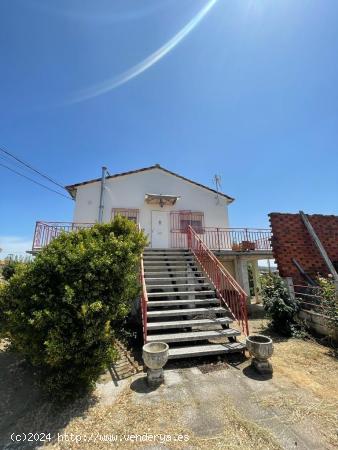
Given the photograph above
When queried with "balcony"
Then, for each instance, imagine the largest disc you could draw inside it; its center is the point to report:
(227, 239)
(217, 239)
(45, 232)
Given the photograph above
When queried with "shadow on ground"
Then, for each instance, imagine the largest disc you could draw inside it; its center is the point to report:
(141, 386)
(252, 373)
(23, 408)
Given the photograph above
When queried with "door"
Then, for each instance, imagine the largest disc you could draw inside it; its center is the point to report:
(159, 229)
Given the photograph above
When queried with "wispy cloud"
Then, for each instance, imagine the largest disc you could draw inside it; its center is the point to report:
(17, 245)
(145, 64)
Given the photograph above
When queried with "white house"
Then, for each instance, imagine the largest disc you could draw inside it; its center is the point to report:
(159, 200)
(164, 204)
(188, 298)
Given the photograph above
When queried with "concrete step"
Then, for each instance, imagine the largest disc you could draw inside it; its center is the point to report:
(203, 350)
(169, 250)
(185, 312)
(173, 262)
(203, 301)
(166, 279)
(180, 272)
(166, 250)
(193, 336)
(178, 294)
(167, 257)
(160, 286)
(188, 323)
(171, 267)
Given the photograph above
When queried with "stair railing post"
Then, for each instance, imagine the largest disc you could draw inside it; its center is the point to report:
(189, 238)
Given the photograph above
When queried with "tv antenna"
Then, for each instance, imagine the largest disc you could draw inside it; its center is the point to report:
(217, 180)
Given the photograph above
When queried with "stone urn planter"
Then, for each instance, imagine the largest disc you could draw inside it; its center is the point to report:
(155, 356)
(260, 348)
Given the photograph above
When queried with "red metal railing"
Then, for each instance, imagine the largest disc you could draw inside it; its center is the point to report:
(45, 232)
(144, 302)
(227, 288)
(236, 239)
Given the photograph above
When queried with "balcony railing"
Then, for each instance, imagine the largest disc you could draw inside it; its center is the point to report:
(235, 239)
(45, 232)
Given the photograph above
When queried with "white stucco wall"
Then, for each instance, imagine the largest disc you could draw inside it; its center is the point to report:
(129, 191)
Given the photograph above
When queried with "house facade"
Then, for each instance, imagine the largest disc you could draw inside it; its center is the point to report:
(164, 204)
(160, 201)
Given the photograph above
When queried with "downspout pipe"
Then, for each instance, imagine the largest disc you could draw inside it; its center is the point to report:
(101, 205)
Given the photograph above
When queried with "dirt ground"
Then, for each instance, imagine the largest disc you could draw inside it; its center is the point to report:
(226, 405)
(307, 375)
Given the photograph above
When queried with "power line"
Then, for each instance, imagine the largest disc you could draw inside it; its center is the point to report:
(34, 181)
(6, 160)
(31, 168)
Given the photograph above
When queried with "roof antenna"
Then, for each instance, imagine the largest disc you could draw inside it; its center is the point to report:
(217, 180)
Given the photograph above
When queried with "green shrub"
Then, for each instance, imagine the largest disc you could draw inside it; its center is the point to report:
(278, 304)
(329, 302)
(9, 269)
(61, 310)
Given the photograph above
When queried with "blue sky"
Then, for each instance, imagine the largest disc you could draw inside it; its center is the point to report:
(249, 93)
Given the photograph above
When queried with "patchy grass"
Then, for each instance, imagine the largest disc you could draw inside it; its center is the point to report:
(307, 375)
(24, 410)
(312, 370)
(303, 395)
(307, 365)
(300, 407)
(128, 416)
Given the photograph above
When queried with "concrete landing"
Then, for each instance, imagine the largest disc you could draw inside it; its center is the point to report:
(202, 397)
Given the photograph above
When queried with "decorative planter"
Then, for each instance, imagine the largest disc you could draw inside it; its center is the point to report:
(247, 245)
(236, 247)
(260, 348)
(155, 356)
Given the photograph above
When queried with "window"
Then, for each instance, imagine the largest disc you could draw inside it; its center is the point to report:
(180, 220)
(131, 214)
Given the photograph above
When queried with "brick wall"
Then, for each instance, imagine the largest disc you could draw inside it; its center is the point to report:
(290, 239)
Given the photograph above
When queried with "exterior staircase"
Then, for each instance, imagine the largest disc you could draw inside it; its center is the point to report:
(181, 306)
